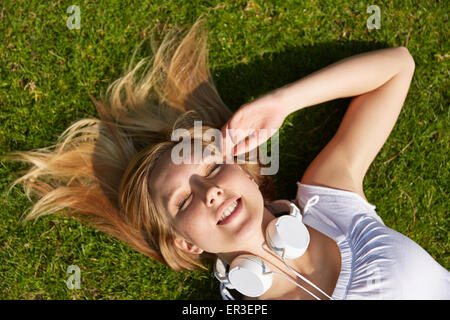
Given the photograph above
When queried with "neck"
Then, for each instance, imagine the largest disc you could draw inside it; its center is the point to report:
(257, 246)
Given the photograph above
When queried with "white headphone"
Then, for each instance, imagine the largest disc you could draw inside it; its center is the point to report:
(286, 236)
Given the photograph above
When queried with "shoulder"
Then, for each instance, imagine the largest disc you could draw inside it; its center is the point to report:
(345, 184)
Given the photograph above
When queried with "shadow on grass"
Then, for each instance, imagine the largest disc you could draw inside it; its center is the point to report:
(313, 127)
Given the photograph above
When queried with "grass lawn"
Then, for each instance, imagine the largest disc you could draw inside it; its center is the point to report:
(46, 70)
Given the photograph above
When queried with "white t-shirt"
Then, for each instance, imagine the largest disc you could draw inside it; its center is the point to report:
(376, 261)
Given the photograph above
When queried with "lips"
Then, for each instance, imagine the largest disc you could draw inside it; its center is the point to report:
(224, 207)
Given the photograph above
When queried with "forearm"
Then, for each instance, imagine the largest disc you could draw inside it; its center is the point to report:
(349, 77)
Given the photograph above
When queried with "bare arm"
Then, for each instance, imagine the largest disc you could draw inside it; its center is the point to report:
(349, 77)
(379, 80)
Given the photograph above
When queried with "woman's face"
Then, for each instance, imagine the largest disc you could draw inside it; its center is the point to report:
(198, 196)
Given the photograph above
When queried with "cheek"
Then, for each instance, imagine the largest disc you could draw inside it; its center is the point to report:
(191, 222)
(235, 179)
(199, 232)
(195, 225)
(248, 189)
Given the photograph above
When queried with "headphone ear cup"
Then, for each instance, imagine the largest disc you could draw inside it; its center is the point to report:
(287, 233)
(250, 275)
(220, 272)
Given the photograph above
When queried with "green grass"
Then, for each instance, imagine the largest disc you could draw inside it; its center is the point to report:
(255, 47)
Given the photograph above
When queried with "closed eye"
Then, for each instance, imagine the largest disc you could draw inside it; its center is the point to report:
(185, 198)
(214, 167)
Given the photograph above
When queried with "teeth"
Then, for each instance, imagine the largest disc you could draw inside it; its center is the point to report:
(229, 210)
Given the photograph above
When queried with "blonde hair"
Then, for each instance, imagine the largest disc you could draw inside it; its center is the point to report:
(99, 169)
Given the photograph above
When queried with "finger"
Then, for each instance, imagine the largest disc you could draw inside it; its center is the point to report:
(226, 131)
(233, 136)
(250, 143)
(257, 138)
(227, 143)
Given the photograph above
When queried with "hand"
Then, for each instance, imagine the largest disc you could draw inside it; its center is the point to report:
(253, 124)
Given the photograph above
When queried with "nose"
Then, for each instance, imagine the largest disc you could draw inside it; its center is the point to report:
(213, 193)
(207, 190)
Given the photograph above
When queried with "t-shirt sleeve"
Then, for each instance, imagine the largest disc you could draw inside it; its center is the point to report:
(337, 208)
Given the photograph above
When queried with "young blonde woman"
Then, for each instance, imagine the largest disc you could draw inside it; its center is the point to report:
(116, 174)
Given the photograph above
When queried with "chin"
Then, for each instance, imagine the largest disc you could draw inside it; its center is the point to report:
(251, 223)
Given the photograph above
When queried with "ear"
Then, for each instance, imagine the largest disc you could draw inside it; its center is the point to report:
(187, 246)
